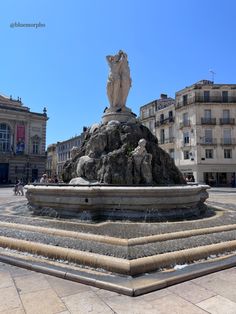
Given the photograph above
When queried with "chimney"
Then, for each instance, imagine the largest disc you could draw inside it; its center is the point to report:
(163, 96)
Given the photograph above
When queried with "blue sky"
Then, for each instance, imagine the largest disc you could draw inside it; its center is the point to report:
(170, 44)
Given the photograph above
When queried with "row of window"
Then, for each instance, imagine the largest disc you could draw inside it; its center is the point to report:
(209, 154)
(208, 97)
(68, 146)
(63, 156)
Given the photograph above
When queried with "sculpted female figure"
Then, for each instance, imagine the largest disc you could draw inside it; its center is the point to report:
(119, 81)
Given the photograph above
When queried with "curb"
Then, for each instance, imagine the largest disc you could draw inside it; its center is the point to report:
(132, 287)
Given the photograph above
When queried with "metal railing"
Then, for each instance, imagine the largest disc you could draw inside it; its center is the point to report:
(207, 141)
(202, 99)
(167, 140)
(227, 121)
(211, 121)
(184, 123)
(164, 121)
(228, 141)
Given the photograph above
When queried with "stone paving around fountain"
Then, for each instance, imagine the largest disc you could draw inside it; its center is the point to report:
(25, 291)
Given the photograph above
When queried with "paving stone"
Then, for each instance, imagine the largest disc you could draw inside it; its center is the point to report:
(219, 283)
(175, 305)
(123, 304)
(155, 295)
(30, 283)
(65, 287)
(42, 302)
(9, 299)
(5, 280)
(191, 292)
(218, 305)
(86, 302)
(17, 271)
(103, 294)
(13, 311)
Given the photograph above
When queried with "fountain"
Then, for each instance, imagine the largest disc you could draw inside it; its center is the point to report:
(119, 173)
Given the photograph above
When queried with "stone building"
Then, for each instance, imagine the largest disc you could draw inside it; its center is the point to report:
(202, 123)
(22, 141)
(158, 116)
(63, 150)
(206, 132)
(51, 165)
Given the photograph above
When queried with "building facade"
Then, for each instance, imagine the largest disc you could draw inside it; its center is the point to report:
(159, 117)
(63, 150)
(22, 141)
(206, 132)
(51, 165)
(199, 132)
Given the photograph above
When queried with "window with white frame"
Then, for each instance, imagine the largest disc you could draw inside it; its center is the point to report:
(35, 145)
(209, 153)
(186, 137)
(186, 154)
(227, 153)
(162, 136)
(208, 136)
(5, 137)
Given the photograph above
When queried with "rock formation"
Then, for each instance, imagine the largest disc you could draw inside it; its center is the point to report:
(123, 154)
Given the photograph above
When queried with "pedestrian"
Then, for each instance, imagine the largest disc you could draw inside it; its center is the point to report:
(44, 178)
(232, 181)
(20, 187)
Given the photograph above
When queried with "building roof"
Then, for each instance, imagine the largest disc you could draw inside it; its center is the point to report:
(206, 83)
(12, 103)
(16, 104)
(160, 103)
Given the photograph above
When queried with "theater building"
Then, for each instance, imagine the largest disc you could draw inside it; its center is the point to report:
(22, 141)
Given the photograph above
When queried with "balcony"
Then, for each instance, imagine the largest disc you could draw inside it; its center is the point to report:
(164, 121)
(228, 141)
(185, 123)
(227, 121)
(202, 99)
(207, 141)
(167, 140)
(209, 121)
(185, 143)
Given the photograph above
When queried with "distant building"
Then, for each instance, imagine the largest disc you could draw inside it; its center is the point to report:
(51, 166)
(22, 141)
(59, 153)
(159, 117)
(148, 112)
(199, 131)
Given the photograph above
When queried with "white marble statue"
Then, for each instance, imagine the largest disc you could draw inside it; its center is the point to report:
(119, 81)
(142, 162)
(140, 150)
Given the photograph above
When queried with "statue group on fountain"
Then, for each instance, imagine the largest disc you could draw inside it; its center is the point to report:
(119, 80)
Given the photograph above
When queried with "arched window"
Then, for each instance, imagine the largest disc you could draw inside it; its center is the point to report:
(5, 138)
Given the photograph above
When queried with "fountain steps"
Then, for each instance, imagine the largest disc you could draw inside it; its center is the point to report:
(118, 241)
(118, 265)
(27, 238)
(141, 274)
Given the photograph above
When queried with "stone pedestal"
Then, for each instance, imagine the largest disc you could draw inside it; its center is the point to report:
(122, 115)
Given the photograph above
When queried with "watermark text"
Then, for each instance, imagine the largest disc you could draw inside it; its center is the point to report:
(32, 25)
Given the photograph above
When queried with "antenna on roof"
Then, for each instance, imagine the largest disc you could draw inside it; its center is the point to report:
(212, 75)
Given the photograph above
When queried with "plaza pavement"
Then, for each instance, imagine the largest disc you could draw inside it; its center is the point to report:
(24, 291)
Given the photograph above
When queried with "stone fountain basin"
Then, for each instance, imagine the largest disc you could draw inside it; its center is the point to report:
(118, 202)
